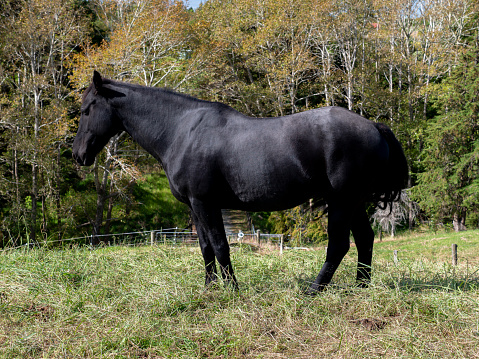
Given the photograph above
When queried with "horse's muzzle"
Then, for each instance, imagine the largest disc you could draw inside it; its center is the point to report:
(83, 160)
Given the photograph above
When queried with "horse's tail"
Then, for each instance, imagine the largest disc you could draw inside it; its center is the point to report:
(395, 178)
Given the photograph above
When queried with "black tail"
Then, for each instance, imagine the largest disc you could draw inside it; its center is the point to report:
(396, 175)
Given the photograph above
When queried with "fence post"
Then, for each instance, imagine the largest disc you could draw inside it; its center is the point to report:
(152, 237)
(240, 236)
(454, 254)
(281, 241)
(395, 256)
(258, 237)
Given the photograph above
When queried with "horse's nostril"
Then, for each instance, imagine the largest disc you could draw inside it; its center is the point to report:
(77, 158)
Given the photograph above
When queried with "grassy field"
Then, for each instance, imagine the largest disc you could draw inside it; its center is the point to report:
(149, 302)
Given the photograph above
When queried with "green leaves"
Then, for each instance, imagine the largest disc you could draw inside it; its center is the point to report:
(448, 186)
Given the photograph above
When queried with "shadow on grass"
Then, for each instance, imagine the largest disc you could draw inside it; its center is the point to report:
(405, 282)
(414, 284)
(304, 282)
(418, 277)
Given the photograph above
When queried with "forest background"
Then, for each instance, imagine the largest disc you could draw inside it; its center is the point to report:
(412, 64)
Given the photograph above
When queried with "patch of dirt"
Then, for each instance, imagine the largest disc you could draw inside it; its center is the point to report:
(371, 323)
(41, 312)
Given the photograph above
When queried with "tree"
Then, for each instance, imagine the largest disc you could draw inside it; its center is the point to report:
(262, 58)
(39, 36)
(351, 21)
(148, 43)
(447, 188)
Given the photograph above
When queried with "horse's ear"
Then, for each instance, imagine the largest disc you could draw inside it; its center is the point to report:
(104, 91)
(97, 80)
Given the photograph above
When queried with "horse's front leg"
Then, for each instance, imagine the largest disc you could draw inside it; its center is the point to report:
(207, 251)
(339, 218)
(213, 242)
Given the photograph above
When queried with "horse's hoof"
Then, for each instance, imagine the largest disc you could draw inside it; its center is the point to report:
(362, 284)
(315, 289)
(232, 285)
(211, 282)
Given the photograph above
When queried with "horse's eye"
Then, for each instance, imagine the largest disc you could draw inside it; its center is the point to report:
(86, 112)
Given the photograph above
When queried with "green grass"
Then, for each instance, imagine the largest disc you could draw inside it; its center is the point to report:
(150, 302)
(154, 207)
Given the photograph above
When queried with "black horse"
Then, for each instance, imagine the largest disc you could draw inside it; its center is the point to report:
(217, 158)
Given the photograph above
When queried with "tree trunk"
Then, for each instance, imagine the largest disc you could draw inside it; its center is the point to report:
(33, 218)
(16, 178)
(410, 206)
(100, 201)
(58, 196)
(350, 92)
(44, 229)
(109, 210)
(459, 221)
(34, 193)
(102, 190)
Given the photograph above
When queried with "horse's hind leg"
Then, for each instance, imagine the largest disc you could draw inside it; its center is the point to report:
(213, 242)
(364, 239)
(339, 224)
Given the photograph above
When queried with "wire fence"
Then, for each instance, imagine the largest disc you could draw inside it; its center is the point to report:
(171, 236)
(174, 236)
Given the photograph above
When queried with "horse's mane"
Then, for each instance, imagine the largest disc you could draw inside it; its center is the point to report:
(128, 85)
(87, 91)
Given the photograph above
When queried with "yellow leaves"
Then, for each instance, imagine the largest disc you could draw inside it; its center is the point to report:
(272, 38)
(110, 59)
(55, 119)
(47, 22)
(144, 40)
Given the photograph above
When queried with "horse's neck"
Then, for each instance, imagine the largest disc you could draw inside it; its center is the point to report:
(151, 120)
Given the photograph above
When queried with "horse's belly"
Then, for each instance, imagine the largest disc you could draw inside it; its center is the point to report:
(274, 195)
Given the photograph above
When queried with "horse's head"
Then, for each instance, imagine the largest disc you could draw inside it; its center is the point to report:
(98, 121)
